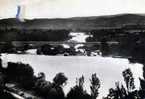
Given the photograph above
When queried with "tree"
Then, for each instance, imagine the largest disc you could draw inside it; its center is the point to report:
(42, 87)
(120, 92)
(104, 47)
(1, 67)
(20, 73)
(47, 49)
(60, 79)
(142, 84)
(41, 76)
(2, 81)
(129, 80)
(7, 48)
(78, 92)
(50, 90)
(95, 85)
(56, 91)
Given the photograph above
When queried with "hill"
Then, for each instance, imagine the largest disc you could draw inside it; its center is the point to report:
(77, 23)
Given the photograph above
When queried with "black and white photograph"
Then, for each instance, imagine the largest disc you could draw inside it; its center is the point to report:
(72, 49)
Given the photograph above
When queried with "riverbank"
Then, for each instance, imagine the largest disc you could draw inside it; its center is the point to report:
(108, 69)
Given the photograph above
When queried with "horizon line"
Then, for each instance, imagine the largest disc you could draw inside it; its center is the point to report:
(105, 15)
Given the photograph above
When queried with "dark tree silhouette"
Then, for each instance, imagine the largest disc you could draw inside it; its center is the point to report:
(2, 81)
(104, 47)
(78, 92)
(116, 93)
(41, 75)
(95, 85)
(48, 49)
(60, 79)
(142, 84)
(21, 73)
(1, 68)
(7, 48)
(142, 81)
(50, 90)
(120, 92)
(129, 80)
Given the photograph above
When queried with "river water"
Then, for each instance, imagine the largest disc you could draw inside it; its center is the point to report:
(109, 70)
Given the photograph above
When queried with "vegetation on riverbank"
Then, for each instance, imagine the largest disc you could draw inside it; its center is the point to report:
(22, 76)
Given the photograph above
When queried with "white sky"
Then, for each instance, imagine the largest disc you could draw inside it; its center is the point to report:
(70, 8)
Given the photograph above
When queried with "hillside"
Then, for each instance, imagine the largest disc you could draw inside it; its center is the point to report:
(77, 23)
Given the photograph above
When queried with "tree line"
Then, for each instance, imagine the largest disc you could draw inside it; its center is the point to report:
(33, 35)
(23, 76)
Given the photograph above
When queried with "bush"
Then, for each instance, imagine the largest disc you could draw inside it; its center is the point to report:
(129, 80)
(95, 85)
(21, 73)
(60, 79)
(7, 48)
(78, 92)
(50, 90)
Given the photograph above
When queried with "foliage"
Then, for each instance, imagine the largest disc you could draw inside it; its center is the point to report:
(24, 75)
(50, 50)
(142, 84)
(129, 80)
(34, 35)
(1, 68)
(78, 92)
(142, 81)
(60, 79)
(7, 48)
(21, 73)
(120, 92)
(95, 85)
(117, 93)
(50, 90)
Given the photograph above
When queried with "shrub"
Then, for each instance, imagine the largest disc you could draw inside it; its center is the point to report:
(95, 85)
(21, 73)
(50, 90)
(78, 92)
(60, 79)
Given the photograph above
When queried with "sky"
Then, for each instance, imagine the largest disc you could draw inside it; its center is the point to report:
(69, 8)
